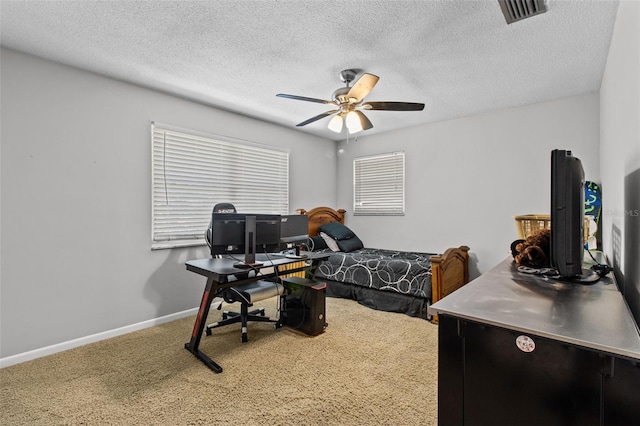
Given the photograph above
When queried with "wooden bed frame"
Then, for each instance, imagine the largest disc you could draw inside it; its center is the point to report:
(449, 271)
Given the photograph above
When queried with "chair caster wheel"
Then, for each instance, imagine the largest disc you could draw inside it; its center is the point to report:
(224, 316)
(208, 331)
(244, 339)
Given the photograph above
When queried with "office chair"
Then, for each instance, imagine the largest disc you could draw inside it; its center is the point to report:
(245, 294)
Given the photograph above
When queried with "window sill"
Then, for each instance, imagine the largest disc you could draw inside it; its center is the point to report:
(176, 244)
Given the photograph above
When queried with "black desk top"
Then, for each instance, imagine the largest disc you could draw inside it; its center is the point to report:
(223, 269)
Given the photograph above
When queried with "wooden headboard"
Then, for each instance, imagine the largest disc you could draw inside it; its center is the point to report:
(321, 215)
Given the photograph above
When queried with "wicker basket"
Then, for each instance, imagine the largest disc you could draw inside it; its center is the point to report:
(529, 223)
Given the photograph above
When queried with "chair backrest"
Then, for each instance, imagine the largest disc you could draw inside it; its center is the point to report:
(218, 208)
(224, 208)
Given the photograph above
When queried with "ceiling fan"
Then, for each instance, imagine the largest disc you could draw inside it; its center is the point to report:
(349, 103)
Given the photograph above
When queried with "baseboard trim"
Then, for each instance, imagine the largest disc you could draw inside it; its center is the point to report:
(59, 347)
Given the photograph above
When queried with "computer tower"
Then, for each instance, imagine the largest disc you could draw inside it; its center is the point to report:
(305, 305)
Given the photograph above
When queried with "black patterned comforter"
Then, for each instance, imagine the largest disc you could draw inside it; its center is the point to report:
(387, 270)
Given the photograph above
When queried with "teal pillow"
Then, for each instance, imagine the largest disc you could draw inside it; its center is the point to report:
(337, 231)
(351, 244)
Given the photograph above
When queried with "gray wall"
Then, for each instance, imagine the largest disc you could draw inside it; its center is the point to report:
(76, 201)
(467, 178)
(75, 185)
(620, 152)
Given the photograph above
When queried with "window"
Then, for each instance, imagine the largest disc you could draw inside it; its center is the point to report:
(192, 172)
(378, 185)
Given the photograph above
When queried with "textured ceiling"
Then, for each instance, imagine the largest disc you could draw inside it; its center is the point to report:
(459, 57)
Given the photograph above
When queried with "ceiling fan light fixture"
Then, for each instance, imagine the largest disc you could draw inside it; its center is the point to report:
(349, 101)
(336, 124)
(353, 122)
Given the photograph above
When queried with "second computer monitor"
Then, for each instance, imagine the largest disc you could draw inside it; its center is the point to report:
(294, 231)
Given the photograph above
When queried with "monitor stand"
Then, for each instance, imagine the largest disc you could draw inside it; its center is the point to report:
(587, 277)
(296, 255)
(249, 245)
(245, 265)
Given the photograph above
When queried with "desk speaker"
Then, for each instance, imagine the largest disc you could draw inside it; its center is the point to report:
(305, 305)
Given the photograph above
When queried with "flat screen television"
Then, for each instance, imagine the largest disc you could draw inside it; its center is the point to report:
(567, 214)
(244, 233)
(294, 232)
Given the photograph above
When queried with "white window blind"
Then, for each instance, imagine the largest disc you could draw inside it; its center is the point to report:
(378, 183)
(192, 172)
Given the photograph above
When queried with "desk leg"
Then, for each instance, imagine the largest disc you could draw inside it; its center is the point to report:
(310, 272)
(198, 328)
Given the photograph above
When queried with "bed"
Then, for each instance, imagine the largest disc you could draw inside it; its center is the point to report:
(388, 280)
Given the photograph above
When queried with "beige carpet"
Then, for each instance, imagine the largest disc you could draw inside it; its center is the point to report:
(367, 368)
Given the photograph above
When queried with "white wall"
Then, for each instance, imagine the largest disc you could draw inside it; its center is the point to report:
(620, 152)
(467, 178)
(76, 201)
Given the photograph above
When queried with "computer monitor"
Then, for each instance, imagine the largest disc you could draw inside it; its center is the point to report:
(294, 231)
(244, 233)
(567, 214)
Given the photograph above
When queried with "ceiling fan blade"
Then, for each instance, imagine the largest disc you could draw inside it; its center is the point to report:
(317, 117)
(362, 87)
(364, 121)
(304, 98)
(393, 106)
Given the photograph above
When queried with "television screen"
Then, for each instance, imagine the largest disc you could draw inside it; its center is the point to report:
(567, 213)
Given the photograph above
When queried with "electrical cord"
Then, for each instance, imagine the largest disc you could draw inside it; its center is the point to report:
(258, 272)
(601, 269)
(277, 279)
(545, 272)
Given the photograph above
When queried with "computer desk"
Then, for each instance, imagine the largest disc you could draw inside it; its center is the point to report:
(222, 274)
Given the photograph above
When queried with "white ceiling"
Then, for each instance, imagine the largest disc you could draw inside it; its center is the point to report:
(459, 57)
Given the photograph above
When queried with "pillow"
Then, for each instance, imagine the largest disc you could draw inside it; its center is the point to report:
(331, 243)
(351, 244)
(317, 243)
(337, 231)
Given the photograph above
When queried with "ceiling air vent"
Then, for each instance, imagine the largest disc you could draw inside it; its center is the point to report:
(517, 10)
